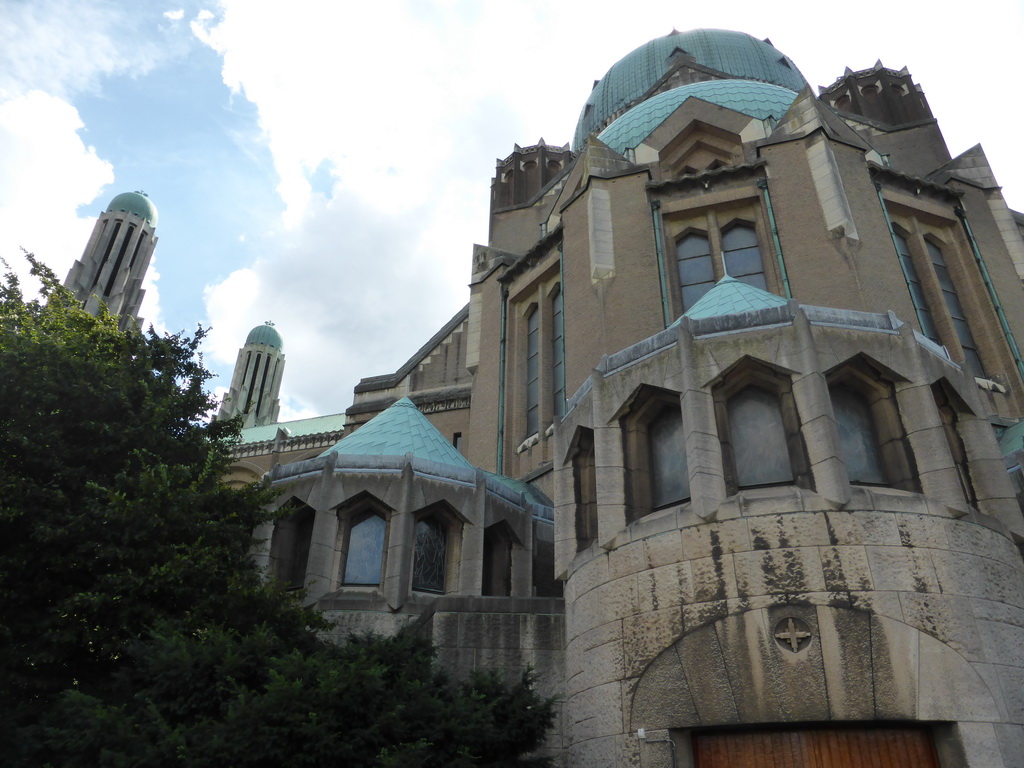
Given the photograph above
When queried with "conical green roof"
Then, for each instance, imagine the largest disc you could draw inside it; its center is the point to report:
(399, 430)
(731, 296)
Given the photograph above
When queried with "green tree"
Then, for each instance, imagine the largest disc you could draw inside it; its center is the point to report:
(134, 627)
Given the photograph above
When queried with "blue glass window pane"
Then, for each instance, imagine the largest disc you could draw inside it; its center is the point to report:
(557, 355)
(696, 270)
(693, 245)
(533, 372)
(857, 444)
(758, 439)
(746, 261)
(692, 293)
(365, 552)
(755, 280)
(740, 236)
(670, 482)
(428, 565)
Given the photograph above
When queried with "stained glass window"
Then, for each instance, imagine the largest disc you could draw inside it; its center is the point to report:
(696, 272)
(924, 315)
(428, 565)
(858, 445)
(557, 355)
(365, 552)
(669, 478)
(533, 372)
(743, 255)
(758, 439)
(956, 310)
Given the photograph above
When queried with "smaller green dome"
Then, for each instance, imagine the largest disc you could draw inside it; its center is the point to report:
(265, 334)
(137, 203)
(760, 100)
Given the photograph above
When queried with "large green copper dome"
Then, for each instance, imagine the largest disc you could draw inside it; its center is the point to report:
(760, 100)
(734, 53)
(265, 334)
(137, 203)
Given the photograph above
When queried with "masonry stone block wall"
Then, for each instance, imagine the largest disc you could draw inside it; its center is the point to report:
(906, 606)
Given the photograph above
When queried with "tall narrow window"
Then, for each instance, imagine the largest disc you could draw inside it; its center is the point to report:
(956, 310)
(758, 438)
(584, 484)
(949, 413)
(924, 315)
(289, 546)
(497, 576)
(670, 482)
(743, 255)
(696, 270)
(430, 555)
(858, 442)
(533, 372)
(365, 554)
(557, 355)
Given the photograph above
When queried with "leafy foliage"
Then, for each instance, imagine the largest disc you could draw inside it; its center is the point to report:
(134, 628)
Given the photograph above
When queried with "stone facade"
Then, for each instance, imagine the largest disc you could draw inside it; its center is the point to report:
(726, 396)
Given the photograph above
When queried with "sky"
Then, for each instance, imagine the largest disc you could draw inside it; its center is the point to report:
(326, 165)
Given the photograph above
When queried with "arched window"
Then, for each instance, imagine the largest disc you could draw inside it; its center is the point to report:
(858, 443)
(584, 483)
(872, 441)
(950, 408)
(557, 355)
(956, 310)
(655, 453)
(430, 556)
(743, 255)
(289, 546)
(533, 372)
(758, 439)
(497, 576)
(364, 557)
(670, 482)
(758, 424)
(696, 270)
(924, 315)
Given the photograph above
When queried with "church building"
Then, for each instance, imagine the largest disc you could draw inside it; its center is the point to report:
(725, 445)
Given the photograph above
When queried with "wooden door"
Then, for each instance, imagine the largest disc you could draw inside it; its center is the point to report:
(816, 748)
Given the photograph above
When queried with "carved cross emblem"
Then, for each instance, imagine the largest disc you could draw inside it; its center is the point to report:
(792, 634)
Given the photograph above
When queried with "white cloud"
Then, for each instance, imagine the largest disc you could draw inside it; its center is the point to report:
(48, 173)
(67, 46)
(177, 15)
(401, 108)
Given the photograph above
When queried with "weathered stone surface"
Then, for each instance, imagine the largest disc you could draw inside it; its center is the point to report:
(846, 656)
(945, 617)
(949, 688)
(895, 654)
(663, 698)
(902, 569)
(645, 636)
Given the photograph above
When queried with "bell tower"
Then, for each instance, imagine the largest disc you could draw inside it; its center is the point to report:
(256, 383)
(116, 258)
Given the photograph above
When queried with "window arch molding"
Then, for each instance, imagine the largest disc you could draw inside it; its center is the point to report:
(362, 545)
(582, 456)
(654, 448)
(741, 252)
(765, 391)
(435, 548)
(290, 542)
(874, 385)
(713, 241)
(695, 265)
(952, 412)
